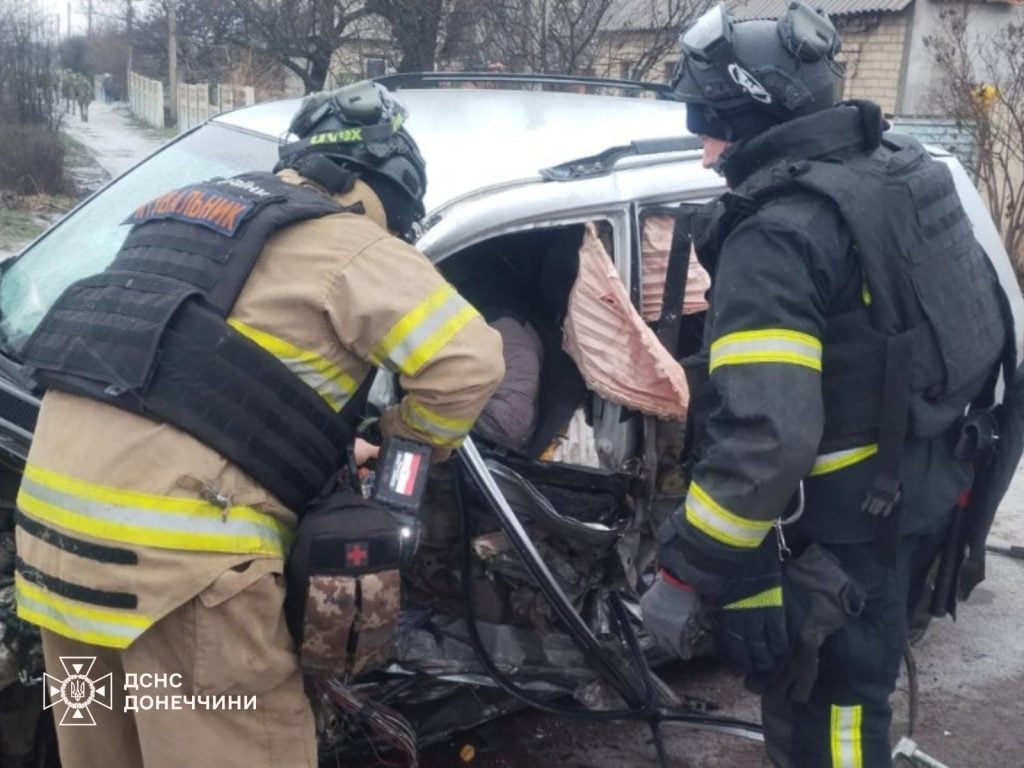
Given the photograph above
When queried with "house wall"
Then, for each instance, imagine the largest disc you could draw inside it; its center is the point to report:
(873, 51)
(922, 75)
(619, 51)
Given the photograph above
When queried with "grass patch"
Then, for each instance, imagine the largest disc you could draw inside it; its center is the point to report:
(24, 217)
(18, 228)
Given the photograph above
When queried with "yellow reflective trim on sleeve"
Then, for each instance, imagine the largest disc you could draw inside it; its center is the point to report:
(773, 345)
(865, 293)
(146, 519)
(833, 462)
(415, 339)
(441, 430)
(708, 516)
(770, 598)
(847, 750)
(112, 629)
(329, 381)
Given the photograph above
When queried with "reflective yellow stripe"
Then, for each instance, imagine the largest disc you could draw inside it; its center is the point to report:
(770, 598)
(833, 462)
(716, 521)
(415, 339)
(113, 629)
(320, 374)
(846, 737)
(441, 430)
(865, 293)
(773, 345)
(147, 519)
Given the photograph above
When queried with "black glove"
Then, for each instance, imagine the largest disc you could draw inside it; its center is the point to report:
(821, 598)
(749, 621)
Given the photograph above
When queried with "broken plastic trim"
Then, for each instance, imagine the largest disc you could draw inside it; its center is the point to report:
(588, 644)
(604, 162)
(643, 708)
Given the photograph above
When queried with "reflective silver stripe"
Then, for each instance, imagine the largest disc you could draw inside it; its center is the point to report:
(318, 373)
(329, 389)
(833, 462)
(418, 336)
(847, 751)
(705, 514)
(446, 431)
(146, 527)
(767, 346)
(44, 609)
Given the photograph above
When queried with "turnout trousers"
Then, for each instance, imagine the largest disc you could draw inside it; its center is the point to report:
(228, 642)
(845, 723)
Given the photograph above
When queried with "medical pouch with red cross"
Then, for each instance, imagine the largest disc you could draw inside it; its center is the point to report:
(343, 596)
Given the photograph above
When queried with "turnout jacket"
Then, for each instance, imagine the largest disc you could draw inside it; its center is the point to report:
(123, 519)
(789, 294)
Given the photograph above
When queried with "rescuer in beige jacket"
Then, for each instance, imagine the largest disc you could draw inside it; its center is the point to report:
(142, 547)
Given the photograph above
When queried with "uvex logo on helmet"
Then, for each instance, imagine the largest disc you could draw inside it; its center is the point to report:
(749, 83)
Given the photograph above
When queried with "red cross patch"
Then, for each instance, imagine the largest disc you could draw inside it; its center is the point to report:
(357, 554)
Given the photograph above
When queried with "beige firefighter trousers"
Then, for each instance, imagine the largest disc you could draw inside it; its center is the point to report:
(230, 640)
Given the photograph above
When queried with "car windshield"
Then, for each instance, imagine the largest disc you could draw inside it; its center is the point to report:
(86, 241)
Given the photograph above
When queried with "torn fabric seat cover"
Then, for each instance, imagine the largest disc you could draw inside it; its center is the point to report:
(618, 355)
(655, 244)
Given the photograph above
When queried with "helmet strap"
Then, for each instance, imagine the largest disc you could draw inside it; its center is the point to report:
(324, 171)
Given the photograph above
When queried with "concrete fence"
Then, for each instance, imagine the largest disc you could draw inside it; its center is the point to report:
(146, 99)
(195, 105)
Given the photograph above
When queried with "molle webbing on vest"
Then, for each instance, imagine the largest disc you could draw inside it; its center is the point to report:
(149, 334)
(925, 272)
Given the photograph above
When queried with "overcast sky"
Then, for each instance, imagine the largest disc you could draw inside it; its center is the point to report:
(60, 8)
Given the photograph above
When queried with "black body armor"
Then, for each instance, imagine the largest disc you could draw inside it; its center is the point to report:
(149, 334)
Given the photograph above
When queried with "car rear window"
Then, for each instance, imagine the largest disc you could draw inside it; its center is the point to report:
(86, 241)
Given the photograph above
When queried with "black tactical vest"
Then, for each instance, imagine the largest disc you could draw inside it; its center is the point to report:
(936, 322)
(149, 334)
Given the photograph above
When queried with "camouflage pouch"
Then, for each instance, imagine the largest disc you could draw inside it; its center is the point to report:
(343, 594)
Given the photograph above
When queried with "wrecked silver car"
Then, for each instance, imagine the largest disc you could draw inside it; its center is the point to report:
(564, 213)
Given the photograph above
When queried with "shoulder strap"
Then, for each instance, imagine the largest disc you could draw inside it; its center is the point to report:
(676, 276)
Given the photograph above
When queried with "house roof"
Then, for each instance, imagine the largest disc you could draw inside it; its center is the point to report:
(743, 10)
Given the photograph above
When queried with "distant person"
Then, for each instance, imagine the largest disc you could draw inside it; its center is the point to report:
(83, 96)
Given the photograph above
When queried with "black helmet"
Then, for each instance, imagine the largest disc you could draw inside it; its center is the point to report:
(771, 70)
(360, 127)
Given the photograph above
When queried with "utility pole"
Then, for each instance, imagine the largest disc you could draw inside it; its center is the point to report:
(89, 28)
(69, 18)
(129, 32)
(172, 56)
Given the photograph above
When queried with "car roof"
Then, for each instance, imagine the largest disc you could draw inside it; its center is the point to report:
(475, 138)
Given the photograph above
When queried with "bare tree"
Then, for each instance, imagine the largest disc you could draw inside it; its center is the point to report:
(31, 153)
(645, 33)
(981, 84)
(301, 35)
(556, 36)
(426, 31)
